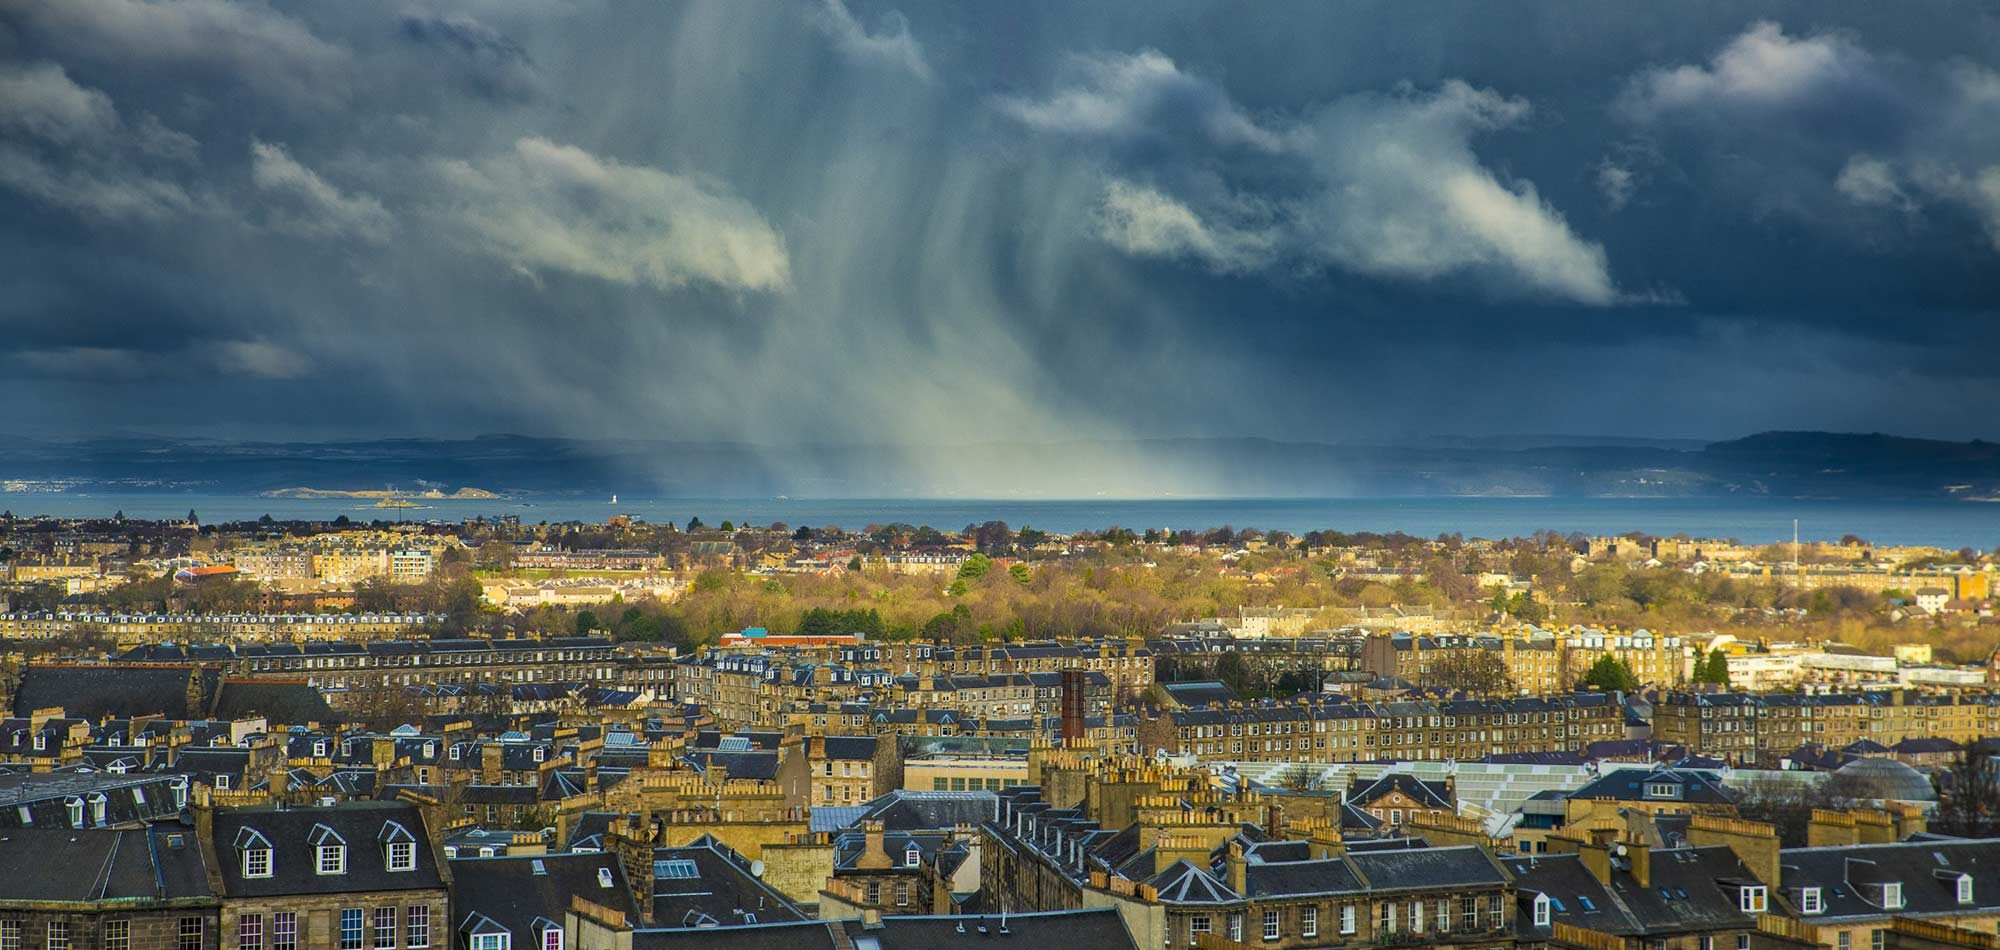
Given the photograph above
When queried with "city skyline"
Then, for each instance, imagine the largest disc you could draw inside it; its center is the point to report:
(828, 222)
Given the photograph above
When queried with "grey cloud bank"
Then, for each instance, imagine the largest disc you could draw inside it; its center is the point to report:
(882, 222)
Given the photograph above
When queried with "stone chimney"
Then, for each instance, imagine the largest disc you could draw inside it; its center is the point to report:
(1755, 843)
(490, 763)
(873, 855)
(635, 855)
(1237, 867)
(1640, 855)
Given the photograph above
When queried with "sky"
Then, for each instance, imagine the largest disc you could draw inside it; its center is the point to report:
(852, 221)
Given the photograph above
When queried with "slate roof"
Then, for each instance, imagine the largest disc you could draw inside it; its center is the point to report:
(41, 799)
(1695, 786)
(1427, 868)
(850, 747)
(762, 766)
(95, 692)
(903, 810)
(159, 861)
(1427, 794)
(292, 830)
(513, 891)
(287, 703)
(1184, 883)
(723, 891)
(1927, 870)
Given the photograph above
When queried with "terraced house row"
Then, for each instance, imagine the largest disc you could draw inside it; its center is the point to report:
(1746, 728)
(1334, 730)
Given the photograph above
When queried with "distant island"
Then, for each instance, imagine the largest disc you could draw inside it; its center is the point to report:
(383, 494)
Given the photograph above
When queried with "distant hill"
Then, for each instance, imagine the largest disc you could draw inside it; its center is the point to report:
(1781, 464)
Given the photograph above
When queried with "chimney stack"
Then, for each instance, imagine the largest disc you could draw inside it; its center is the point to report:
(1075, 704)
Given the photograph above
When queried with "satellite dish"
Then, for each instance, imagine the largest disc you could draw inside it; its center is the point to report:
(756, 869)
(1621, 851)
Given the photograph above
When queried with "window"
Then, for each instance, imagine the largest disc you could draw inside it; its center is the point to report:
(1877, 937)
(1892, 897)
(402, 856)
(1236, 927)
(1468, 912)
(250, 932)
(1347, 921)
(333, 860)
(1542, 912)
(603, 877)
(874, 892)
(188, 936)
(1742, 942)
(257, 862)
(1845, 942)
(10, 935)
(1199, 924)
(58, 935)
(1810, 901)
(350, 928)
(911, 856)
(284, 930)
(1751, 900)
(75, 806)
(417, 926)
(1965, 888)
(1707, 942)
(1308, 921)
(385, 928)
(1441, 912)
(1493, 912)
(491, 941)
(677, 868)
(117, 935)
(222, 783)
(1271, 924)
(552, 938)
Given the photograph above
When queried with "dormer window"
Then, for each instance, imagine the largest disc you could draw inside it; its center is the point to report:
(256, 852)
(41, 742)
(399, 847)
(455, 751)
(1810, 901)
(603, 877)
(222, 783)
(75, 806)
(1965, 888)
(319, 749)
(1892, 895)
(540, 753)
(1662, 790)
(1752, 899)
(1542, 909)
(912, 856)
(329, 850)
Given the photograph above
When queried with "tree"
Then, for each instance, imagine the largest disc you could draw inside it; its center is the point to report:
(728, 527)
(1481, 672)
(1969, 802)
(1020, 573)
(975, 567)
(854, 564)
(1610, 674)
(694, 524)
(1714, 668)
(585, 623)
(1232, 671)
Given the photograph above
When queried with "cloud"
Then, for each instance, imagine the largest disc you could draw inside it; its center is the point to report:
(1392, 186)
(259, 358)
(39, 99)
(1761, 67)
(1146, 223)
(495, 64)
(895, 46)
(64, 144)
(299, 201)
(1404, 196)
(1872, 181)
(1118, 95)
(545, 205)
(267, 51)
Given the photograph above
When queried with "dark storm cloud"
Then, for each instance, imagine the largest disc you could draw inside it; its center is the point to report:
(827, 220)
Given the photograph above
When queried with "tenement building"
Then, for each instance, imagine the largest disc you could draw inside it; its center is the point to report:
(1747, 728)
(1331, 730)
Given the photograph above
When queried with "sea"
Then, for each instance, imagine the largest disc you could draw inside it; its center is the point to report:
(1948, 524)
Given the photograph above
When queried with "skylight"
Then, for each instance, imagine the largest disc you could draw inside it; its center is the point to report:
(678, 868)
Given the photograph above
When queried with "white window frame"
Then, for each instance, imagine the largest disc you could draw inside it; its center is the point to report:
(58, 935)
(912, 856)
(1349, 919)
(1272, 927)
(360, 918)
(10, 935)
(250, 932)
(1892, 896)
(285, 930)
(338, 852)
(1753, 899)
(384, 927)
(1811, 901)
(117, 935)
(1542, 910)
(253, 859)
(552, 938)
(401, 855)
(417, 926)
(1965, 888)
(491, 941)
(1309, 921)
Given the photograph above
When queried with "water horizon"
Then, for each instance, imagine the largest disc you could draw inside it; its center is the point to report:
(1947, 524)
